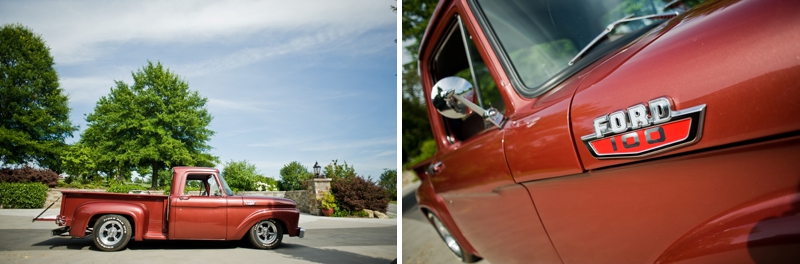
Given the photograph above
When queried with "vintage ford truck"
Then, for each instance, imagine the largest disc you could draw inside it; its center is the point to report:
(615, 131)
(213, 213)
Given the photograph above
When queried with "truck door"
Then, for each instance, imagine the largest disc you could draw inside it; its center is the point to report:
(470, 172)
(200, 214)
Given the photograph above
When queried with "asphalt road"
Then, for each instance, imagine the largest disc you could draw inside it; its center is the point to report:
(421, 243)
(327, 240)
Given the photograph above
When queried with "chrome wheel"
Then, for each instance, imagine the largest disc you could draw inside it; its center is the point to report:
(445, 234)
(266, 232)
(110, 232)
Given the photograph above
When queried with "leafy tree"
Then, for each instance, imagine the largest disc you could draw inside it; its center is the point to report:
(389, 182)
(243, 176)
(336, 171)
(34, 116)
(416, 127)
(416, 15)
(293, 175)
(78, 161)
(157, 122)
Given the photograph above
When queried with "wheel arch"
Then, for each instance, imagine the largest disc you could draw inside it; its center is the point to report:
(444, 216)
(88, 213)
(282, 217)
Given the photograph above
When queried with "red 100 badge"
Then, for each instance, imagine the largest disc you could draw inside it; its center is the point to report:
(643, 129)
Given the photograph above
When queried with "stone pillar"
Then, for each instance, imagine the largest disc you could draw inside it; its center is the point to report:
(316, 187)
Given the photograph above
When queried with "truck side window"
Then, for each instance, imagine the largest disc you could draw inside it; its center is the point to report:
(458, 56)
(194, 186)
(202, 185)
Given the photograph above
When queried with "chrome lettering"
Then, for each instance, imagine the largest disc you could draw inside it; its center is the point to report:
(618, 122)
(660, 111)
(600, 126)
(638, 116)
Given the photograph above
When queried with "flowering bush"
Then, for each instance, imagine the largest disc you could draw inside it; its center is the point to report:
(264, 186)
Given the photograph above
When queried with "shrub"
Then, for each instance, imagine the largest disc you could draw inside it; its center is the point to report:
(28, 174)
(124, 188)
(356, 194)
(345, 213)
(22, 195)
(327, 201)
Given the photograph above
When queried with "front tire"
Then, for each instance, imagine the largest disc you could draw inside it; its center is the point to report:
(266, 234)
(451, 242)
(111, 232)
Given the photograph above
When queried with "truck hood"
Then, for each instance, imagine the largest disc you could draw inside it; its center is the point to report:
(739, 58)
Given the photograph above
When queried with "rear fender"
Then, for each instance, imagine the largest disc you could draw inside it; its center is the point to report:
(287, 217)
(85, 212)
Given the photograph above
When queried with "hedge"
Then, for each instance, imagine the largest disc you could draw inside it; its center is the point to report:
(28, 174)
(124, 188)
(22, 195)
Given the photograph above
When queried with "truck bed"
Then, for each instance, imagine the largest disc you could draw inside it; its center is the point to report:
(151, 207)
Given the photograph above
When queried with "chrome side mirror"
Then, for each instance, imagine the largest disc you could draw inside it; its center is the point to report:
(454, 97)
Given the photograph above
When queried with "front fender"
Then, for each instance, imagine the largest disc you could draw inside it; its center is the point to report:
(767, 228)
(429, 201)
(136, 211)
(289, 217)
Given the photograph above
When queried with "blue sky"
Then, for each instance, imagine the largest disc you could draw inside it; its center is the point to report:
(286, 80)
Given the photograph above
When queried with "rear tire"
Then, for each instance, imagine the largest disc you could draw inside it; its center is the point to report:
(111, 232)
(266, 234)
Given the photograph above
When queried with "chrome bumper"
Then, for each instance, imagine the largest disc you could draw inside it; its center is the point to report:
(301, 233)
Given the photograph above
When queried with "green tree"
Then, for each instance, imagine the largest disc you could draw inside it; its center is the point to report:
(78, 162)
(242, 175)
(157, 122)
(293, 175)
(337, 171)
(416, 127)
(389, 181)
(34, 116)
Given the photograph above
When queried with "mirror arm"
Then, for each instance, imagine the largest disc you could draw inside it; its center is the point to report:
(491, 114)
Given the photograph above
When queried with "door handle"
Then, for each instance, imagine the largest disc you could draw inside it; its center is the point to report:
(434, 169)
(183, 198)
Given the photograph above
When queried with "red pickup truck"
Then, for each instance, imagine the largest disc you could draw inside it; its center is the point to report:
(214, 213)
(618, 131)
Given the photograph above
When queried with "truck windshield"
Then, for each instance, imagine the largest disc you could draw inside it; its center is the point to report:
(540, 37)
(225, 187)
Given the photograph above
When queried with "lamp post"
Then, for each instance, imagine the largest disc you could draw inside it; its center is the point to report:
(316, 170)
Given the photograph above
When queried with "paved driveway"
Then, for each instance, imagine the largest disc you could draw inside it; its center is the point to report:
(327, 240)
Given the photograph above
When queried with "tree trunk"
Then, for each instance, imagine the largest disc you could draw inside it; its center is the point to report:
(155, 175)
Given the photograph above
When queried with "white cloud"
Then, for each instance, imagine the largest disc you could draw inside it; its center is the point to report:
(76, 30)
(86, 89)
